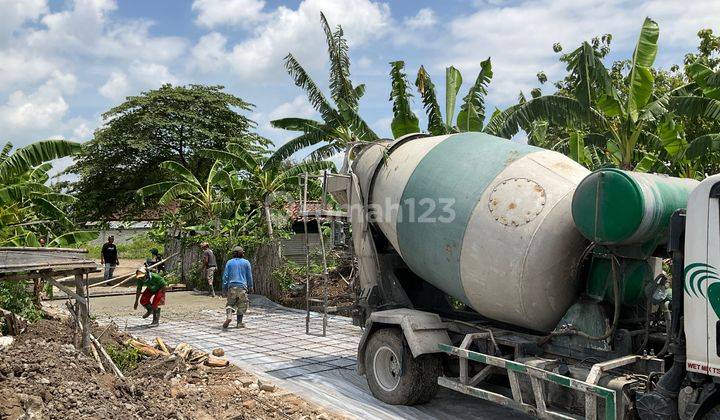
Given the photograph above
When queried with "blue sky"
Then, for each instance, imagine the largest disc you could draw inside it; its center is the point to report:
(63, 63)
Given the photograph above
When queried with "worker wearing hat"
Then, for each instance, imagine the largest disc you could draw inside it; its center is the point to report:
(154, 294)
(237, 282)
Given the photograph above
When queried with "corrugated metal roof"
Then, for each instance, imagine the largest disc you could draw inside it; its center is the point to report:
(29, 262)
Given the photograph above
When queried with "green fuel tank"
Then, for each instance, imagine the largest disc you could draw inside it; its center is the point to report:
(616, 207)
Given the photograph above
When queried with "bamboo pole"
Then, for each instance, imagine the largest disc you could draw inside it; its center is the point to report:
(108, 360)
(65, 289)
(83, 312)
(157, 264)
(97, 358)
(94, 342)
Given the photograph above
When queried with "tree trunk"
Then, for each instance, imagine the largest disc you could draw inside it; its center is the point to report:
(268, 218)
(266, 258)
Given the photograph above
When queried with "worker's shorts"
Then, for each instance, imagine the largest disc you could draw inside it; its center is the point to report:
(210, 274)
(157, 298)
(237, 300)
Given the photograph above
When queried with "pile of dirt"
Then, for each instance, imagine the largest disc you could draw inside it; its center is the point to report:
(42, 375)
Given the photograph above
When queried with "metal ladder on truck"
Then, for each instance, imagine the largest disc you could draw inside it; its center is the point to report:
(330, 182)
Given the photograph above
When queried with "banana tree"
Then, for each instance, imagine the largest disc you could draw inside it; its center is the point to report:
(205, 197)
(472, 111)
(341, 124)
(615, 124)
(29, 208)
(262, 179)
(404, 120)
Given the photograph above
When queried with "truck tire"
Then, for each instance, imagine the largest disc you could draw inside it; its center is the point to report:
(394, 375)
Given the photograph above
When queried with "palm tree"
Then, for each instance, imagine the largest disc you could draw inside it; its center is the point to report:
(261, 178)
(472, 111)
(341, 123)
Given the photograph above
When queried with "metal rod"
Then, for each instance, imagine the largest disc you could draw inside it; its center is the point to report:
(303, 205)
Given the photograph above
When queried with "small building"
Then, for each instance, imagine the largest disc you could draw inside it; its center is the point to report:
(293, 248)
(125, 230)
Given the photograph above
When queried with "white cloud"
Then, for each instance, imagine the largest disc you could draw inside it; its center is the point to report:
(519, 37)
(298, 107)
(19, 67)
(83, 131)
(209, 54)
(16, 12)
(298, 31)
(152, 75)
(41, 109)
(212, 13)
(116, 87)
(424, 18)
(86, 29)
(139, 76)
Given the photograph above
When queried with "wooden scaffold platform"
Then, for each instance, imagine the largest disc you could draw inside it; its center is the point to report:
(53, 265)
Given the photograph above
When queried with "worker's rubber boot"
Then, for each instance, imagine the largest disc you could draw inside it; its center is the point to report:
(239, 321)
(229, 312)
(156, 318)
(149, 311)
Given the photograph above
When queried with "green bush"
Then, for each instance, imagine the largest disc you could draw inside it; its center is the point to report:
(125, 358)
(290, 272)
(287, 273)
(137, 249)
(15, 297)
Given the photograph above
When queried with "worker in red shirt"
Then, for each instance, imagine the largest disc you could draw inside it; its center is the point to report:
(153, 296)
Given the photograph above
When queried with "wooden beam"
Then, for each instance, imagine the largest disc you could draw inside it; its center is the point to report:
(44, 249)
(83, 312)
(45, 274)
(66, 289)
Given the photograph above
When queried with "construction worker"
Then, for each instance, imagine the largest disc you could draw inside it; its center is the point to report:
(109, 257)
(237, 282)
(156, 258)
(153, 296)
(210, 265)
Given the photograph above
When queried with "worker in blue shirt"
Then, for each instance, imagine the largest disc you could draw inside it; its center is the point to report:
(237, 282)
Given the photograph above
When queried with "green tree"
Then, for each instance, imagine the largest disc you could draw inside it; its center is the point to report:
(404, 120)
(472, 111)
(29, 208)
(205, 199)
(262, 179)
(631, 115)
(596, 108)
(169, 123)
(341, 123)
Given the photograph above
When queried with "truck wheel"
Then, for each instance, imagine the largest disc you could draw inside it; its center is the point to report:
(394, 375)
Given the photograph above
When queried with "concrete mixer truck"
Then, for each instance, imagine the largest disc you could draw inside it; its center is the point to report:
(513, 274)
